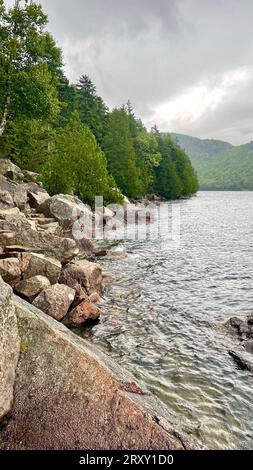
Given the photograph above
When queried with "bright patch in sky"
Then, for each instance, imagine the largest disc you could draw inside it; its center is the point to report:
(198, 100)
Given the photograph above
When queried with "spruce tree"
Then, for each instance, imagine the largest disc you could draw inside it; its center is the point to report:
(120, 154)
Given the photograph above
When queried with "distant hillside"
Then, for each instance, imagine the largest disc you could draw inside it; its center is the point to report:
(219, 165)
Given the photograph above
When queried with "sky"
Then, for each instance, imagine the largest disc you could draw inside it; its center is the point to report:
(186, 65)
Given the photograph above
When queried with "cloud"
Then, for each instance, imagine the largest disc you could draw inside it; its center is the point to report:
(181, 62)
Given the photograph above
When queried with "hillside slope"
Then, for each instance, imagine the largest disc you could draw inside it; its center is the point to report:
(219, 165)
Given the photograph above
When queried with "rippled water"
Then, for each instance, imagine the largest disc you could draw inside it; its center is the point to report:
(164, 315)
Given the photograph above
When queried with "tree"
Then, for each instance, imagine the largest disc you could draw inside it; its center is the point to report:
(93, 111)
(167, 183)
(78, 165)
(29, 64)
(175, 176)
(120, 154)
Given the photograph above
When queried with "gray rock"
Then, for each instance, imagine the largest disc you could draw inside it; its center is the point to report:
(68, 395)
(63, 208)
(55, 300)
(35, 264)
(30, 288)
(10, 170)
(18, 230)
(9, 348)
(36, 201)
(18, 193)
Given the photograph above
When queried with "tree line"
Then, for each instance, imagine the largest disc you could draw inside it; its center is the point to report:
(67, 133)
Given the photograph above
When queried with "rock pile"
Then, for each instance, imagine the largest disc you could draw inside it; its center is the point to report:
(38, 256)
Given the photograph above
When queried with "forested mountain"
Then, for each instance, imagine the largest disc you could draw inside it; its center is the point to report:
(219, 165)
(67, 133)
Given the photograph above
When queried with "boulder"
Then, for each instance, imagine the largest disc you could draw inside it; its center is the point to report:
(18, 193)
(6, 200)
(240, 326)
(9, 348)
(10, 213)
(30, 288)
(11, 171)
(85, 312)
(10, 270)
(34, 264)
(71, 396)
(65, 208)
(36, 200)
(18, 230)
(55, 300)
(84, 274)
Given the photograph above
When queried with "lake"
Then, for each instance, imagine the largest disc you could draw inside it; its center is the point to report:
(164, 317)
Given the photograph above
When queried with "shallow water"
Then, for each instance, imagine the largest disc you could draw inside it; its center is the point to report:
(164, 314)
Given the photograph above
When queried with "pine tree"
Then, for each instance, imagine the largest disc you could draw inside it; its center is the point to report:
(120, 154)
(93, 111)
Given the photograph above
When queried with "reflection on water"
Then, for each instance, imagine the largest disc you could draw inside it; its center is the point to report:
(162, 316)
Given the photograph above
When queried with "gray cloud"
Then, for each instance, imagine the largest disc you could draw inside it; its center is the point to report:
(154, 52)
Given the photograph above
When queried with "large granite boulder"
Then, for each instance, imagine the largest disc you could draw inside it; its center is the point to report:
(65, 208)
(83, 313)
(30, 288)
(68, 395)
(10, 170)
(17, 192)
(18, 230)
(10, 270)
(37, 199)
(55, 300)
(35, 264)
(84, 274)
(9, 348)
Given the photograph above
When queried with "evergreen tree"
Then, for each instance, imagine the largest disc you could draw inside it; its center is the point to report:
(78, 165)
(93, 110)
(120, 154)
(168, 183)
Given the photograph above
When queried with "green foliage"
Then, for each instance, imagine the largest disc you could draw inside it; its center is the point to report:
(78, 165)
(27, 143)
(175, 176)
(93, 111)
(29, 64)
(120, 154)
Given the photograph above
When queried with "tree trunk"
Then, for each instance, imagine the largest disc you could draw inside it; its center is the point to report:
(5, 116)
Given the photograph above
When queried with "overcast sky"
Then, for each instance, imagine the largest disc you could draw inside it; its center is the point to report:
(186, 65)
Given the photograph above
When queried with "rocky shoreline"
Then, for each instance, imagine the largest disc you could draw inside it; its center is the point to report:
(56, 392)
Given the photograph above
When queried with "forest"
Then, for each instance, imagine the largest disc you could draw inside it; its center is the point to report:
(66, 132)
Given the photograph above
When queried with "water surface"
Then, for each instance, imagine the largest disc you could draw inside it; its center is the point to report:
(164, 314)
